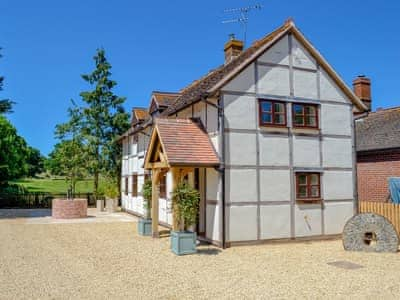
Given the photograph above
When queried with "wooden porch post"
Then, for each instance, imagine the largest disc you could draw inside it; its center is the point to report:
(154, 203)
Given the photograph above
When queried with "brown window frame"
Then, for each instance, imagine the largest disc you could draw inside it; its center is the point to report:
(126, 186)
(304, 115)
(308, 185)
(272, 113)
(163, 186)
(134, 185)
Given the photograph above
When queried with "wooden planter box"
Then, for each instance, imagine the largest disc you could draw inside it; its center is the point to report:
(183, 242)
(144, 227)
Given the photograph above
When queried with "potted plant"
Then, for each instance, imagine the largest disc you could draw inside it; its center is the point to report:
(144, 224)
(111, 193)
(185, 205)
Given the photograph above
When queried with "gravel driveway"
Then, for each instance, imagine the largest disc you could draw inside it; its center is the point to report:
(110, 261)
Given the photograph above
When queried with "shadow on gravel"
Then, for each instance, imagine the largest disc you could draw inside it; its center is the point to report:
(24, 213)
(208, 251)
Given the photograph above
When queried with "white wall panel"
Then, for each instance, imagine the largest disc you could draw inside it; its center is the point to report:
(243, 82)
(273, 81)
(275, 185)
(306, 151)
(242, 223)
(240, 112)
(241, 185)
(336, 216)
(274, 151)
(308, 220)
(337, 185)
(275, 221)
(278, 53)
(240, 148)
(305, 84)
(213, 184)
(329, 89)
(335, 119)
(213, 222)
(301, 57)
(337, 153)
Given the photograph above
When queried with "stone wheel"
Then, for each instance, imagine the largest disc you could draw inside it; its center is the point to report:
(371, 233)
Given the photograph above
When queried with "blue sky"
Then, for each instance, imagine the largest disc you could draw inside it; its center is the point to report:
(164, 45)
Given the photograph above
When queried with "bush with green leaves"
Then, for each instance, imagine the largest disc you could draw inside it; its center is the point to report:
(110, 189)
(185, 204)
(147, 196)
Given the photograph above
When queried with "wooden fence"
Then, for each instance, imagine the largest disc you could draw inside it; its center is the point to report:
(388, 210)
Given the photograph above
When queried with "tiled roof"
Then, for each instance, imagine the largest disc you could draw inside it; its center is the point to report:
(141, 114)
(379, 130)
(195, 90)
(186, 143)
(165, 98)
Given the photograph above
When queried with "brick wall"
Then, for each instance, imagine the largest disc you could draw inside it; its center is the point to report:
(373, 170)
(69, 209)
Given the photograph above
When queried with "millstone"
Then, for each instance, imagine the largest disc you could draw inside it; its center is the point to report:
(370, 232)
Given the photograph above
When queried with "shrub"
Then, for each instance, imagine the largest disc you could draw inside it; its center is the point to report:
(147, 196)
(185, 204)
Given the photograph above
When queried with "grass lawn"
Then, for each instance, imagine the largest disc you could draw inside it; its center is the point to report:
(55, 185)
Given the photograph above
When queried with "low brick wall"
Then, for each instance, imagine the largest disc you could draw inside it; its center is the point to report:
(373, 171)
(69, 209)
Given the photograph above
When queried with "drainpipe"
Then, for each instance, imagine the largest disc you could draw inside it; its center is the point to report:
(222, 165)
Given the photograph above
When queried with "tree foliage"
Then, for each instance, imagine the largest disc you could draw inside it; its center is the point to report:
(17, 159)
(69, 156)
(5, 104)
(104, 118)
(88, 137)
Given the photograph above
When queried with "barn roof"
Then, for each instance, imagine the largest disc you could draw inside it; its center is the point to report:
(379, 130)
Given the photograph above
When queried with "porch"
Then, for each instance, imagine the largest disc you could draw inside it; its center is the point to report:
(182, 148)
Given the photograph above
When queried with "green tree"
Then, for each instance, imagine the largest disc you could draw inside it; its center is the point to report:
(67, 159)
(69, 156)
(35, 161)
(5, 104)
(103, 119)
(13, 152)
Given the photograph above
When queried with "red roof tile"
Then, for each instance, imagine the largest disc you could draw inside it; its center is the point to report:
(186, 143)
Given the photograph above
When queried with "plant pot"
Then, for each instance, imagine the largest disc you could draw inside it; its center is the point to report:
(111, 205)
(100, 205)
(183, 242)
(144, 227)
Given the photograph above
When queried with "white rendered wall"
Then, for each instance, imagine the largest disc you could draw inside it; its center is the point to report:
(327, 150)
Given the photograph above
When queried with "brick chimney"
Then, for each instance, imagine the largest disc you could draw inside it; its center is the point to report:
(232, 48)
(362, 89)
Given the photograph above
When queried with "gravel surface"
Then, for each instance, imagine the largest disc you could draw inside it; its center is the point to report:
(110, 261)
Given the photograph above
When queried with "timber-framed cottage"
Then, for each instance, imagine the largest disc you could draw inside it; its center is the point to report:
(267, 138)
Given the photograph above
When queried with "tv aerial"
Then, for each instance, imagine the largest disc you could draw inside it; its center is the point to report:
(242, 17)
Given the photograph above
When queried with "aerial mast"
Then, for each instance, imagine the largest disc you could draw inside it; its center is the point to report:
(242, 17)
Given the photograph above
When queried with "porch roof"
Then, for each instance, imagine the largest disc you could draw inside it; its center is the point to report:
(182, 142)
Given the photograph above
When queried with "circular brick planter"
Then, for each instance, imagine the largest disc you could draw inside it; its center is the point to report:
(69, 209)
